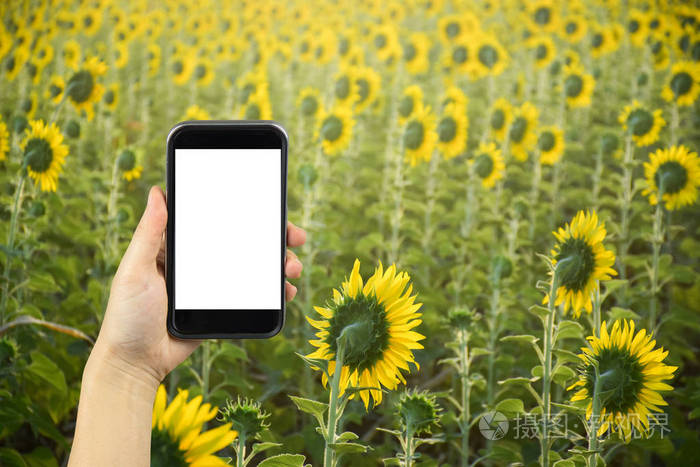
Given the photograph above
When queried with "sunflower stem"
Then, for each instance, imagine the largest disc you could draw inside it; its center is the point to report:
(596, 310)
(597, 175)
(547, 370)
(593, 427)
(206, 366)
(17, 205)
(409, 446)
(534, 192)
(329, 458)
(240, 451)
(625, 208)
(465, 416)
(656, 244)
(674, 123)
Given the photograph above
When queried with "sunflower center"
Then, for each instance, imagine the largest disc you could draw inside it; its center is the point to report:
(309, 105)
(573, 85)
(342, 87)
(488, 56)
(571, 27)
(362, 89)
(447, 129)
(55, 90)
(498, 119)
(38, 154)
(126, 161)
(695, 52)
(653, 24)
(371, 338)
(673, 175)
(409, 52)
(200, 71)
(633, 26)
(483, 165)
(178, 67)
(406, 106)
(380, 41)
(597, 40)
(343, 46)
(517, 129)
(681, 83)
(640, 122)
(622, 379)
(109, 97)
(252, 112)
(459, 54)
(543, 16)
(413, 138)
(541, 52)
(165, 452)
(332, 128)
(452, 30)
(546, 141)
(80, 86)
(579, 266)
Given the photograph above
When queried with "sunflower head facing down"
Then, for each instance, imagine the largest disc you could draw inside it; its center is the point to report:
(44, 153)
(580, 260)
(334, 129)
(643, 125)
(82, 89)
(631, 373)
(673, 174)
(683, 84)
(488, 164)
(419, 136)
(383, 313)
(176, 432)
(452, 131)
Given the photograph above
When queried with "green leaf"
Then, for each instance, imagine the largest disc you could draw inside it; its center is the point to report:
(616, 313)
(522, 339)
(347, 436)
(391, 461)
(349, 448)
(260, 447)
(566, 356)
(48, 371)
(564, 463)
(315, 408)
(41, 457)
(517, 381)
(562, 374)
(539, 311)
(11, 458)
(41, 281)
(284, 460)
(510, 406)
(569, 330)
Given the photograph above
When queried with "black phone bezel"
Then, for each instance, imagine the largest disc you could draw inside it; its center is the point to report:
(226, 134)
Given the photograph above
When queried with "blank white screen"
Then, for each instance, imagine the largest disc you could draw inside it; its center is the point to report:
(228, 231)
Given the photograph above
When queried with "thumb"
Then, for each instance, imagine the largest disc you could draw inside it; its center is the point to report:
(147, 238)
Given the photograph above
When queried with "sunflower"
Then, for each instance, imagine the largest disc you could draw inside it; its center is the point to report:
(387, 312)
(452, 131)
(126, 163)
(574, 28)
(177, 437)
(195, 112)
(111, 97)
(636, 27)
(182, 67)
(82, 88)
(309, 102)
(54, 92)
(251, 82)
(90, 21)
(602, 41)
(385, 39)
(203, 71)
(418, 412)
(491, 57)
(459, 57)
(488, 164)
(678, 170)
(578, 86)
(121, 55)
(631, 373)
(334, 129)
(451, 28)
(15, 62)
(325, 46)
(415, 53)
(153, 54)
(683, 84)
(306, 46)
(367, 85)
(257, 107)
(44, 153)
(455, 95)
(419, 136)
(30, 104)
(411, 100)
(521, 132)
(551, 145)
(345, 90)
(71, 54)
(543, 15)
(500, 118)
(43, 53)
(543, 49)
(580, 244)
(644, 125)
(4, 141)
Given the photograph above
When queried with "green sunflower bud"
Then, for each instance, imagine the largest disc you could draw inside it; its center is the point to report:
(37, 209)
(418, 412)
(80, 86)
(72, 129)
(307, 175)
(461, 318)
(246, 416)
(126, 160)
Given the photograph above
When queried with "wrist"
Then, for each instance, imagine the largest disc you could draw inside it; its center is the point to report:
(108, 370)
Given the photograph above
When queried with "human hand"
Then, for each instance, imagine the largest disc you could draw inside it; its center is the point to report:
(133, 336)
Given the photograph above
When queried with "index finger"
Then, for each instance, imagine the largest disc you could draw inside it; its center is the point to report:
(296, 236)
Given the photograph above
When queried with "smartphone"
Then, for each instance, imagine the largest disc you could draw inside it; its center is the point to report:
(227, 227)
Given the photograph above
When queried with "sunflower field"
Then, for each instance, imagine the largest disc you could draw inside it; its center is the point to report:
(501, 202)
